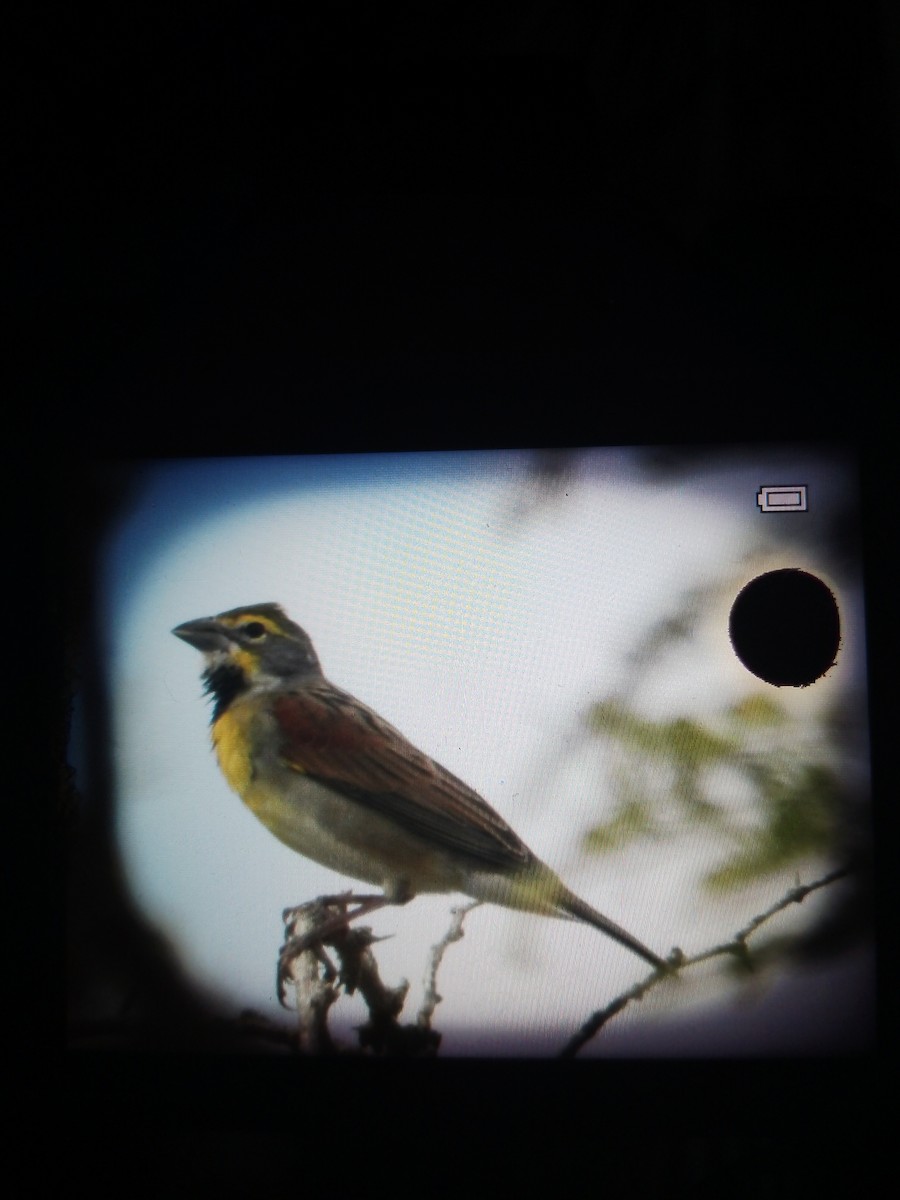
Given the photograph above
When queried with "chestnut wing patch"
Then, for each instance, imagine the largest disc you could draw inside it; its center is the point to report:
(332, 737)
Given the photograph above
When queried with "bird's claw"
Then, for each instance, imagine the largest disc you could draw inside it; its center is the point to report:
(320, 926)
(339, 900)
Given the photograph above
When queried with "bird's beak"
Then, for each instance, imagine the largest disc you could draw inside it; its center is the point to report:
(206, 635)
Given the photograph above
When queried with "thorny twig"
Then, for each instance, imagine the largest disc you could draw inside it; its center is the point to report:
(431, 999)
(319, 984)
(737, 946)
(317, 981)
(314, 990)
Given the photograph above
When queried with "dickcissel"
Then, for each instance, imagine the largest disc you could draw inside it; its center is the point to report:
(337, 783)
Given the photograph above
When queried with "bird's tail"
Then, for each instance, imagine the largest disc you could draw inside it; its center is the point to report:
(577, 908)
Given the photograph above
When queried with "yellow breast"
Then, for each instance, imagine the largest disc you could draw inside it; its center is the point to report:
(318, 822)
(232, 740)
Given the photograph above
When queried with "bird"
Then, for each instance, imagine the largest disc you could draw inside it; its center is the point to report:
(337, 783)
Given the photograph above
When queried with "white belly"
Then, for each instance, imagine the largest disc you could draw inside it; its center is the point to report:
(348, 837)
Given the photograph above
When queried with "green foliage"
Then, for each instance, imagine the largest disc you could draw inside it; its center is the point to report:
(758, 710)
(794, 793)
(799, 820)
(631, 821)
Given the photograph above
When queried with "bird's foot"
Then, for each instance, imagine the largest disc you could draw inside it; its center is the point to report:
(311, 925)
(340, 900)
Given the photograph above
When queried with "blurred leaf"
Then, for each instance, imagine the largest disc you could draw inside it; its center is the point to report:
(631, 821)
(800, 819)
(758, 710)
(690, 745)
(682, 740)
(796, 799)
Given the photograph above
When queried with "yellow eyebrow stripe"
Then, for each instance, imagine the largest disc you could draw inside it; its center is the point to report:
(242, 618)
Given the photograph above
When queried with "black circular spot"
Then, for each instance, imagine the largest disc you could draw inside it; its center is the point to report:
(785, 627)
(253, 629)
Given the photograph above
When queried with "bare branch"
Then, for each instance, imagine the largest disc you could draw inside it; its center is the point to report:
(382, 1033)
(314, 992)
(738, 944)
(454, 934)
(303, 961)
(737, 947)
(598, 1019)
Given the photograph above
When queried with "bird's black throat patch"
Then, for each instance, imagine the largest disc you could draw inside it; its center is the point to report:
(224, 683)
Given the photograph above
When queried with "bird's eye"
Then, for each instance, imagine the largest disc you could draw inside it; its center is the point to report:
(254, 629)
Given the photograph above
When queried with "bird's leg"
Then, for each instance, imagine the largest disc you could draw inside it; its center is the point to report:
(340, 920)
(326, 928)
(341, 900)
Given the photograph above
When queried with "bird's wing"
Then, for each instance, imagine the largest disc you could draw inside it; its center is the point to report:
(332, 737)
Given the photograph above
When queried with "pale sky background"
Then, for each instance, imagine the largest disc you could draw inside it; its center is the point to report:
(481, 613)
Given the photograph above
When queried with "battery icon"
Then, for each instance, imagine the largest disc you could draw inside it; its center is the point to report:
(782, 498)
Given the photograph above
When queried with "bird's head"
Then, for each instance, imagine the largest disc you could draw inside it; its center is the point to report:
(256, 646)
